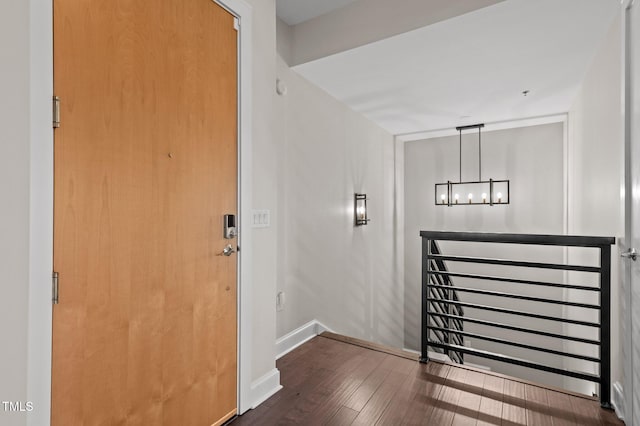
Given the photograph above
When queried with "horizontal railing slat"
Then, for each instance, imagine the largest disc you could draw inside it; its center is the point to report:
(512, 343)
(519, 313)
(520, 329)
(505, 262)
(515, 280)
(516, 296)
(517, 361)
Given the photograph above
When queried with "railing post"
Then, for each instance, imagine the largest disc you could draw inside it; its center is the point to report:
(605, 326)
(426, 276)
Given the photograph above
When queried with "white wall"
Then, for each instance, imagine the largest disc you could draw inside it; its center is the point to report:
(14, 193)
(596, 167)
(532, 158)
(265, 163)
(330, 270)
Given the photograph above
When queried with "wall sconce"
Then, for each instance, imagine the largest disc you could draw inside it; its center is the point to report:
(360, 209)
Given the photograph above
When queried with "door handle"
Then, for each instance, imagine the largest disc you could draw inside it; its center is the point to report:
(228, 250)
(630, 254)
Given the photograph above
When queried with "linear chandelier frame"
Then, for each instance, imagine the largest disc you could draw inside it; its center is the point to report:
(481, 192)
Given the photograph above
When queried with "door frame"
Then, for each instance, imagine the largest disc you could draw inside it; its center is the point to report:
(39, 316)
(623, 394)
(243, 12)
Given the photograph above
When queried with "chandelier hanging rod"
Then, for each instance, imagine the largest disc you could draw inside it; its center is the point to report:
(472, 126)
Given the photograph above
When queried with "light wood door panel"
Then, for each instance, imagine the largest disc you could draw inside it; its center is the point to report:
(145, 169)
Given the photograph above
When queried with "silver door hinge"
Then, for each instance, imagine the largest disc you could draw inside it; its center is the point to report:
(54, 287)
(56, 112)
(236, 23)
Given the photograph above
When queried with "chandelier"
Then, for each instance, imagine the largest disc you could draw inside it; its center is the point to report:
(480, 192)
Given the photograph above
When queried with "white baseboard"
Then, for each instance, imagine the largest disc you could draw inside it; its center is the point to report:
(478, 366)
(618, 400)
(411, 351)
(432, 355)
(297, 337)
(265, 387)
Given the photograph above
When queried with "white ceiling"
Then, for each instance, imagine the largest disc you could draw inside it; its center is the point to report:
(294, 12)
(471, 68)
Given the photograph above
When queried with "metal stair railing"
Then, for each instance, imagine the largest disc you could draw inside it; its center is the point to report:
(443, 316)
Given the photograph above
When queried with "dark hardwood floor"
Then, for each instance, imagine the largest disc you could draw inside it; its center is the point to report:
(338, 381)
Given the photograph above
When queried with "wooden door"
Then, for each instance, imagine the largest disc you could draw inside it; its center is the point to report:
(145, 168)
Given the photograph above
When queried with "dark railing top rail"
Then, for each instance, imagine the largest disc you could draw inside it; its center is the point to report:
(537, 239)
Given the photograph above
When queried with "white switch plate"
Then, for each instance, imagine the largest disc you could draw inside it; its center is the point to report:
(261, 218)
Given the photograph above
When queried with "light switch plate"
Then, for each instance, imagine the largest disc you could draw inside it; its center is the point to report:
(261, 218)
